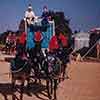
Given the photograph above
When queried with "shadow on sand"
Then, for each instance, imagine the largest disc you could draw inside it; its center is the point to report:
(38, 90)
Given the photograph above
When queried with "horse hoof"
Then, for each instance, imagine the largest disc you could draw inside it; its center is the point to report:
(67, 77)
(29, 94)
(28, 87)
(63, 79)
(50, 98)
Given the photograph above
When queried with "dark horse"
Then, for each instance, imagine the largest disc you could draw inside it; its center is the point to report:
(63, 55)
(52, 68)
(48, 70)
(20, 70)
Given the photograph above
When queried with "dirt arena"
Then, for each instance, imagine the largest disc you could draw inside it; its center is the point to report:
(84, 84)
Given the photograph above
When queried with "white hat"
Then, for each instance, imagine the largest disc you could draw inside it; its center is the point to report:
(29, 7)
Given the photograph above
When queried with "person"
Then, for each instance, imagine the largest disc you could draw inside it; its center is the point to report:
(45, 18)
(98, 45)
(58, 46)
(13, 42)
(58, 41)
(35, 53)
(8, 43)
(45, 13)
(8, 39)
(21, 43)
(38, 39)
(64, 40)
(53, 44)
(29, 14)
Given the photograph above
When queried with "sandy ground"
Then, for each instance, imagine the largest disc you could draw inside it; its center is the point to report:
(84, 84)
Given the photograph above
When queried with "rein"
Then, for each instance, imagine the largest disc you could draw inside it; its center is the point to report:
(20, 69)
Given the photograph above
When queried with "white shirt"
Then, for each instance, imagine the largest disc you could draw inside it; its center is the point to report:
(30, 14)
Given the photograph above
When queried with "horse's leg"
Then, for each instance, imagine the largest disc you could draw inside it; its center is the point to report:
(36, 74)
(13, 82)
(39, 81)
(22, 89)
(28, 82)
(35, 78)
(65, 75)
(9, 50)
(64, 71)
(47, 85)
(59, 80)
(55, 89)
(12, 50)
(12, 88)
(51, 91)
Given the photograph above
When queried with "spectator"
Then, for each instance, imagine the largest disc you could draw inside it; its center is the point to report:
(13, 42)
(8, 39)
(8, 43)
(98, 46)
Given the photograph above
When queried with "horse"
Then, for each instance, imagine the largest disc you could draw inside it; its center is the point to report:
(45, 68)
(63, 55)
(36, 56)
(20, 70)
(52, 68)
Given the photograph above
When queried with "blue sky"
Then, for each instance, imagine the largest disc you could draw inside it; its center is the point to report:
(84, 14)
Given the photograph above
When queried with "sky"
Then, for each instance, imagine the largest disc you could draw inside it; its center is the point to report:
(84, 14)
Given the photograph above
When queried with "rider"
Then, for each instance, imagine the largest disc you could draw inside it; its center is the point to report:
(29, 14)
(63, 47)
(53, 44)
(58, 41)
(38, 39)
(59, 45)
(21, 43)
